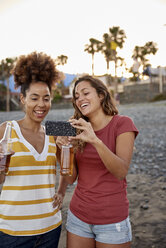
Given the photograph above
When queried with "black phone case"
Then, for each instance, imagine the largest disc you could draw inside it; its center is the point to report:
(59, 128)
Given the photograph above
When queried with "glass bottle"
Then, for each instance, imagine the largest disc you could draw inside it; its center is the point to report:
(67, 156)
(6, 148)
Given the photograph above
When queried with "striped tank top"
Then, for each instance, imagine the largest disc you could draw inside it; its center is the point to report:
(27, 193)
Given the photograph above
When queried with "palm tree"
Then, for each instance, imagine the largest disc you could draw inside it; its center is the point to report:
(106, 49)
(140, 52)
(118, 37)
(111, 41)
(115, 38)
(92, 48)
(5, 68)
(61, 60)
(120, 62)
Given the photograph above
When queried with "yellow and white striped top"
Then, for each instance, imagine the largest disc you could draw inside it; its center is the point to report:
(27, 193)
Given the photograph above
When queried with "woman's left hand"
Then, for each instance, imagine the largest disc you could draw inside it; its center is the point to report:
(58, 200)
(88, 135)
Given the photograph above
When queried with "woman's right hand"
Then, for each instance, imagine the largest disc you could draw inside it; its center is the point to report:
(62, 141)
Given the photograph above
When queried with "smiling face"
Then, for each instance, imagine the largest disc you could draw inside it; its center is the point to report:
(87, 100)
(37, 101)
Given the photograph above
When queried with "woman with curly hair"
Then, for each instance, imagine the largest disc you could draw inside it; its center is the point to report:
(98, 215)
(27, 216)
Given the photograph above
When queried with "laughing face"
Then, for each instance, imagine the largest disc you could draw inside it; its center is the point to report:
(37, 102)
(87, 99)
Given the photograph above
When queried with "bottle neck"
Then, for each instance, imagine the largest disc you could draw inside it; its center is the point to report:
(7, 133)
(6, 141)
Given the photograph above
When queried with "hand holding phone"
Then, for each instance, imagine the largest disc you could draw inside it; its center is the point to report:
(59, 128)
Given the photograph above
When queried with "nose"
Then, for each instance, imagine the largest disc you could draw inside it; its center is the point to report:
(41, 103)
(80, 98)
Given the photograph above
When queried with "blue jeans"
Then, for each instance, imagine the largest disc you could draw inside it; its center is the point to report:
(46, 240)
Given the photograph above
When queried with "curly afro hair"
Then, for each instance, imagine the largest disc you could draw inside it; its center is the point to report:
(34, 67)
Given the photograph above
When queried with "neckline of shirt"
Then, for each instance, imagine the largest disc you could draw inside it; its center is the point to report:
(35, 153)
(109, 123)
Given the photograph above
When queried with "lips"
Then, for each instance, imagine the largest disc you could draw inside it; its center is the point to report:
(39, 113)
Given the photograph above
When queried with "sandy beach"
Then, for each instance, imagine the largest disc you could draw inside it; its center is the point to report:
(147, 198)
(146, 178)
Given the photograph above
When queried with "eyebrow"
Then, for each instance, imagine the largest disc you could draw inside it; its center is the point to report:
(81, 90)
(34, 94)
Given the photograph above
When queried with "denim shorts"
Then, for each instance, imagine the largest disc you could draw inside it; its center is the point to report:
(116, 233)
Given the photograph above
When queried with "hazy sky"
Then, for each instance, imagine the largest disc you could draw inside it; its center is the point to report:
(65, 26)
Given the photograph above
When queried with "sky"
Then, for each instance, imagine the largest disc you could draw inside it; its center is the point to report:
(65, 26)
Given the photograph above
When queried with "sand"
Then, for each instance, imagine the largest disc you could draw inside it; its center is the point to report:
(147, 197)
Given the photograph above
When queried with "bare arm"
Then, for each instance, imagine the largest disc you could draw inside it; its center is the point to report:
(2, 129)
(117, 164)
(63, 183)
(58, 154)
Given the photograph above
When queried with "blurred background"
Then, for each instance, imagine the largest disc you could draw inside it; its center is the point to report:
(121, 42)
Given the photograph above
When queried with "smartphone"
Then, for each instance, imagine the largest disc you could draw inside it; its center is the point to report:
(59, 128)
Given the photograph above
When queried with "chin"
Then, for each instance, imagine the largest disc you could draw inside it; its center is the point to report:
(39, 119)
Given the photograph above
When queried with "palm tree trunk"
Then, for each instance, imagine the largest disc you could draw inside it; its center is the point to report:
(7, 96)
(92, 64)
(116, 81)
(107, 67)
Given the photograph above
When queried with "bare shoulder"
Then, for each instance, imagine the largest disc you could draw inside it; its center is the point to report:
(2, 129)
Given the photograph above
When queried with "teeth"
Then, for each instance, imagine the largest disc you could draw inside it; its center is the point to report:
(83, 105)
(39, 112)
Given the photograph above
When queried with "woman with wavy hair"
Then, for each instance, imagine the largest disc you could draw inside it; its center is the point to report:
(98, 215)
(27, 216)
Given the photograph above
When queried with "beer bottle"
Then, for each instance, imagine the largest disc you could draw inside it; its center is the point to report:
(67, 156)
(6, 148)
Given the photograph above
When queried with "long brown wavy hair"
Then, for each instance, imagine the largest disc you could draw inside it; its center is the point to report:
(107, 102)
